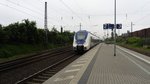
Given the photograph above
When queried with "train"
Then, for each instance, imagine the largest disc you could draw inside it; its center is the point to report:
(84, 40)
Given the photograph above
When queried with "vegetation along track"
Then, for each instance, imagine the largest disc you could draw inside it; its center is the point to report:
(30, 59)
(48, 72)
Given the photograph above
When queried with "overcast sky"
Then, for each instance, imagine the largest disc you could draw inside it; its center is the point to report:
(91, 13)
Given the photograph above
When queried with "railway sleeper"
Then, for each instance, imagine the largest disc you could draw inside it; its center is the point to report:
(38, 80)
(57, 68)
(49, 72)
(44, 77)
(44, 74)
(32, 83)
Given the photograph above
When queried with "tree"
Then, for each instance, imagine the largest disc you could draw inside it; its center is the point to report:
(40, 36)
(31, 31)
(26, 32)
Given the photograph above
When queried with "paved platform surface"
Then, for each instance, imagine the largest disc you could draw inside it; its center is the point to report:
(73, 72)
(99, 66)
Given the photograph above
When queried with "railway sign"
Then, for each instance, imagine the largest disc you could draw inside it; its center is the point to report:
(108, 26)
(111, 26)
(105, 26)
(119, 26)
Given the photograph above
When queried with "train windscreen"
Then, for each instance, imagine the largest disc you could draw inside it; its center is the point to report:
(81, 35)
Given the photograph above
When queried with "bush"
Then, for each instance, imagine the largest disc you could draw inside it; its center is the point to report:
(135, 41)
(25, 37)
(5, 54)
(147, 41)
(120, 39)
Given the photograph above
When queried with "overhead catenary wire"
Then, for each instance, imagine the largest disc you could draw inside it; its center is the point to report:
(79, 7)
(36, 12)
(58, 12)
(70, 9)
(18, 10)
(21, 11)
(141, 11)
(142, 7)
(142, 18)
(55, 10)
(52, 8)
(17, 4)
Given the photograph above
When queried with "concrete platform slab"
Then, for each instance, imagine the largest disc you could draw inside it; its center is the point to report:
(109, 69)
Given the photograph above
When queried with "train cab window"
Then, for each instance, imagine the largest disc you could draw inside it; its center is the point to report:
(80, 36)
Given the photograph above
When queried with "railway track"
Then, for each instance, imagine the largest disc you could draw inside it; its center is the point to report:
(34, 58)
(48, 72)
(33, 68)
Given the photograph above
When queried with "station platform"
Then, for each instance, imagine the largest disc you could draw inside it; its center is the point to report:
(99, 66)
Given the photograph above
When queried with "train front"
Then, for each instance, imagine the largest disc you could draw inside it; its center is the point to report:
(79, 41)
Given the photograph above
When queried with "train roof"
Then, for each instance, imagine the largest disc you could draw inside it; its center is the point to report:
(87, 32)
(82, 31)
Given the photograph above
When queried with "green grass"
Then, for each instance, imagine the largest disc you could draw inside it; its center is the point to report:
(137, 44)
(139, 49)
(10, 52)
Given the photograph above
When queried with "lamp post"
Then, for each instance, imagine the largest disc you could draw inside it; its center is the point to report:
(115, 28)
